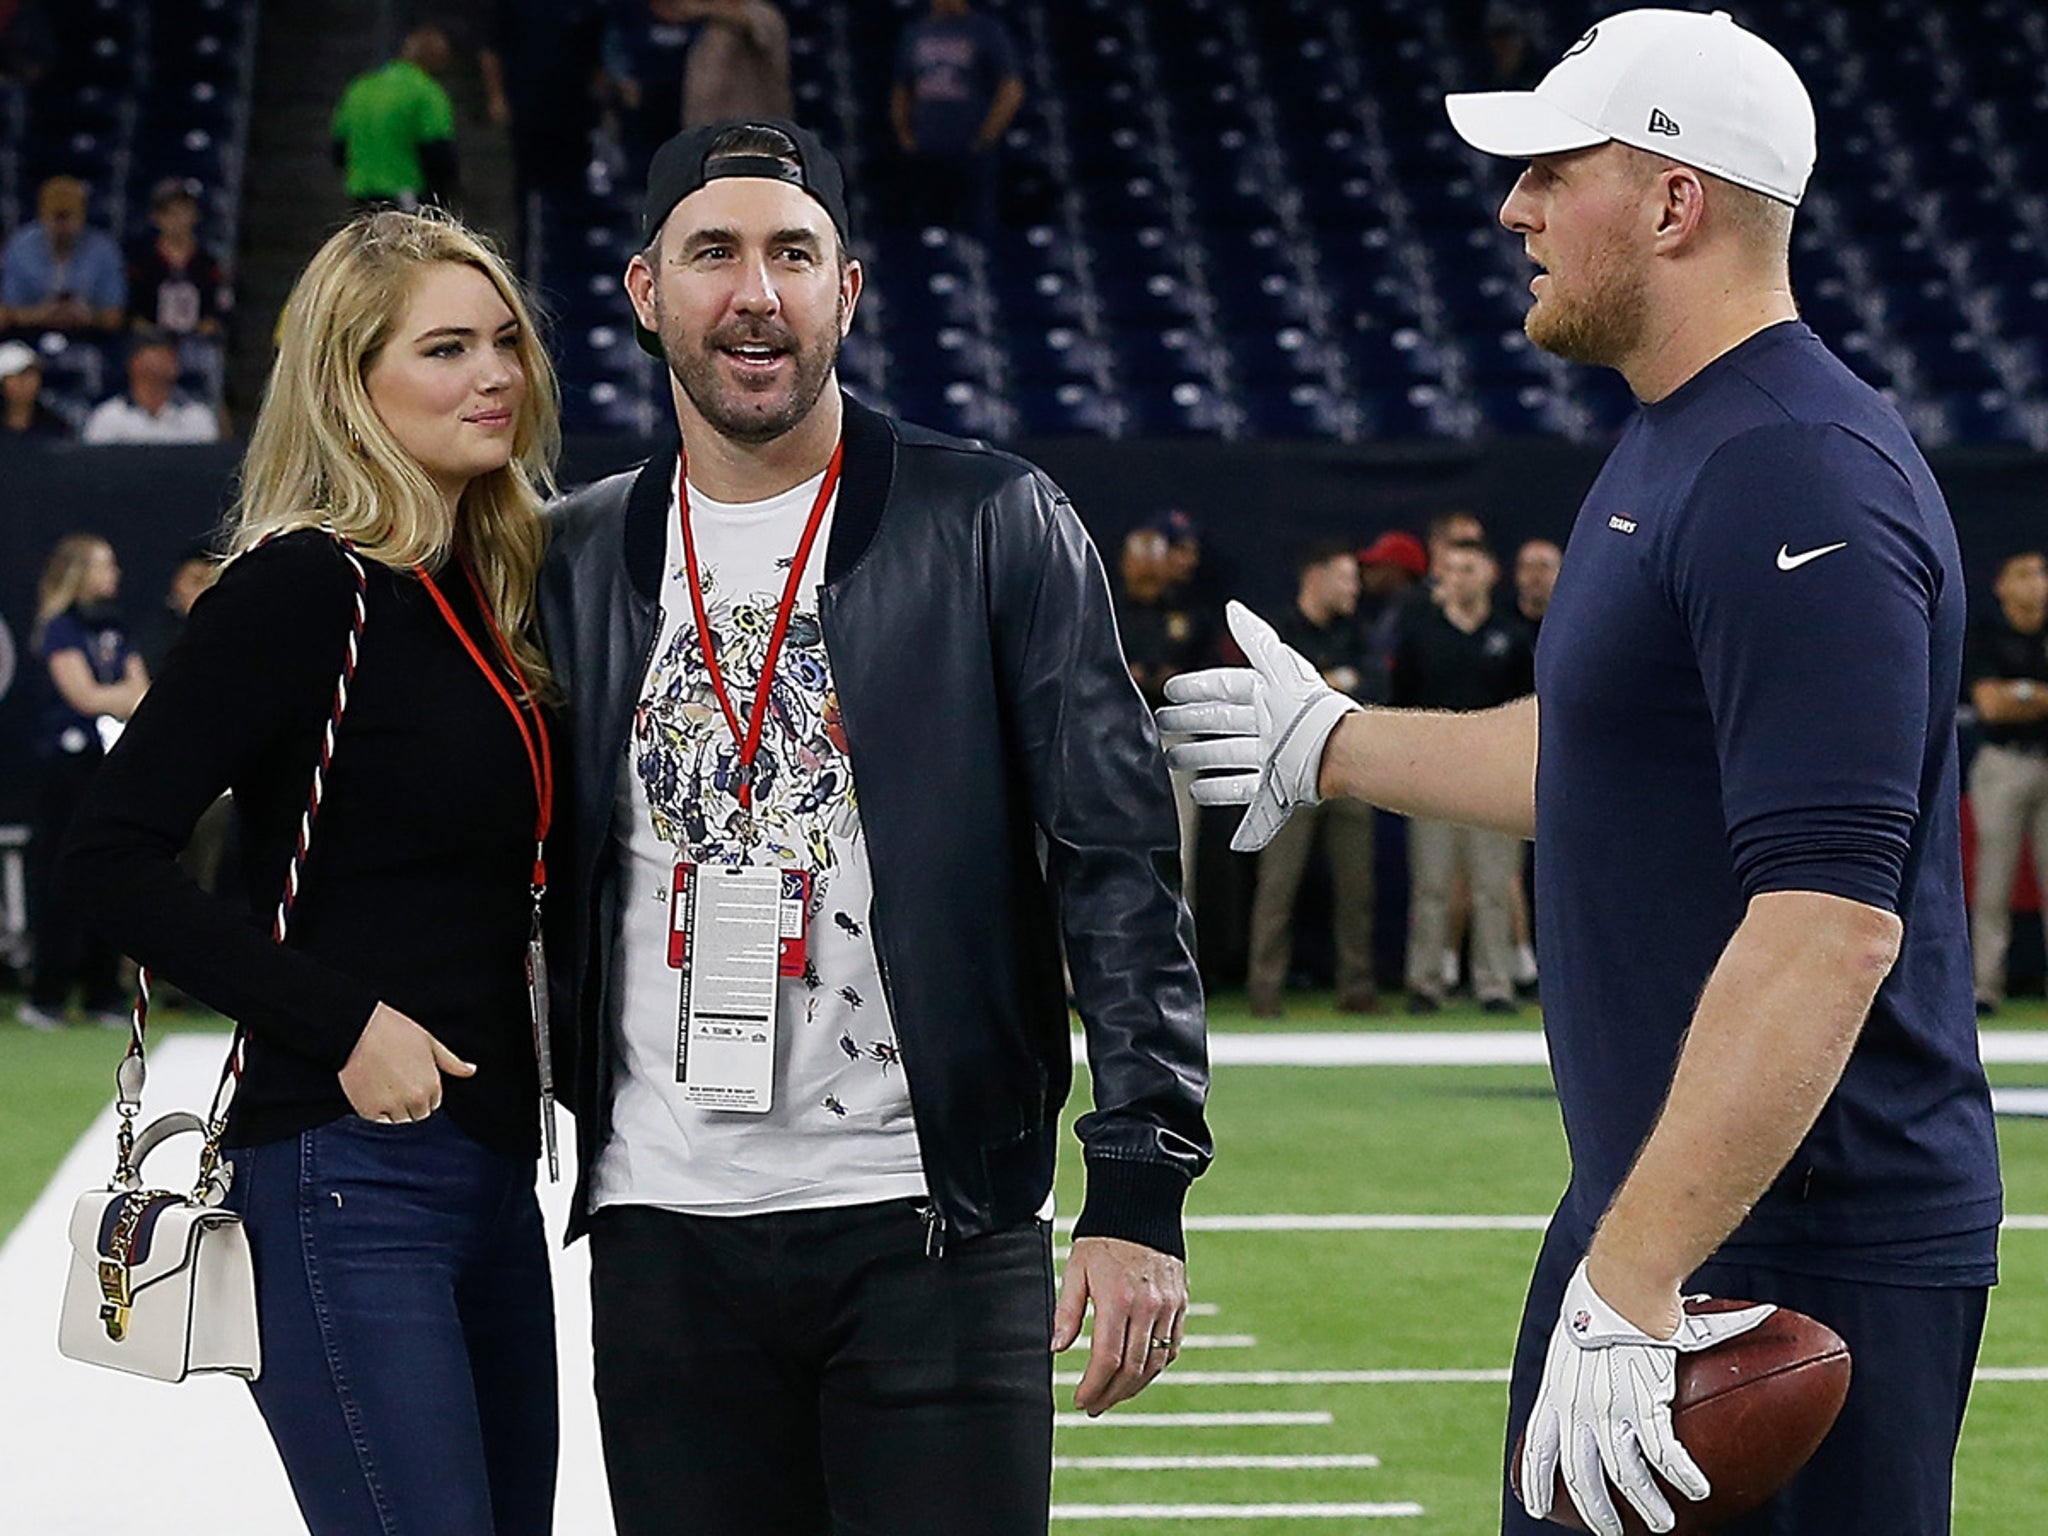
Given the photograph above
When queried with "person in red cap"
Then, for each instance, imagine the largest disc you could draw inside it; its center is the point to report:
(1395, 552)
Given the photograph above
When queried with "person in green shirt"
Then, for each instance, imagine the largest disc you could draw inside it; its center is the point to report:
(394, 130)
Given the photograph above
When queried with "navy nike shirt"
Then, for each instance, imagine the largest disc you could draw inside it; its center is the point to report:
(1748, 681)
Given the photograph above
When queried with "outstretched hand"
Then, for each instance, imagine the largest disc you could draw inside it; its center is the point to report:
(1266, 726)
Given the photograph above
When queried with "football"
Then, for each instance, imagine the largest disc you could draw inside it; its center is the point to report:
(1750, 1412)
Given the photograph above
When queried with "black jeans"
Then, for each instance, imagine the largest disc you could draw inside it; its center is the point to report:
(814, 1372)
(408, 1329)
(1887, 1467)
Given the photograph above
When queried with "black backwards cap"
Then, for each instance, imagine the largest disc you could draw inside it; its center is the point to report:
(684, 165)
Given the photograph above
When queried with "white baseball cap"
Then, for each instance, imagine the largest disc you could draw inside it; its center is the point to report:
(1697, 88)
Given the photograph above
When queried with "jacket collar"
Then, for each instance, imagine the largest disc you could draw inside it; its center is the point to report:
(865, 476)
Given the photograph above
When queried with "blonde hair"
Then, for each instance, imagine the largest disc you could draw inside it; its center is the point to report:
(320, 456)
(64, 578)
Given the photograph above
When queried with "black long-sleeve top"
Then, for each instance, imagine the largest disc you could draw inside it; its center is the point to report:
(417, 889)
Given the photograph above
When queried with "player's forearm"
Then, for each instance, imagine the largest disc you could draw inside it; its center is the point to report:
(1476, 768)
(1768, 1044)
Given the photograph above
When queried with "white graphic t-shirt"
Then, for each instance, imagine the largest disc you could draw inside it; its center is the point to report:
(840, 1130)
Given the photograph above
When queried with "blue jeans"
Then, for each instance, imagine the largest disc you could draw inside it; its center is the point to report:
(408, 1329)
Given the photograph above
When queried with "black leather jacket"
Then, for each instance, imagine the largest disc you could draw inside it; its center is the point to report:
(988, 713)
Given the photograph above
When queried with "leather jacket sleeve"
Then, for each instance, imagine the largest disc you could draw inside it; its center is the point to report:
(1100, 795)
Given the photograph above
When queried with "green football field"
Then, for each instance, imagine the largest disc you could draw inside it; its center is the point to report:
(1239, 1424)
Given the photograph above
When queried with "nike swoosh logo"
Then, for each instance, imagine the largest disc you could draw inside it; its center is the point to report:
(1787, 561)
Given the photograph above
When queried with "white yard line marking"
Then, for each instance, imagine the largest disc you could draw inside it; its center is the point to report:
(1356, 1221)
(1236, 1511)
(1203, 1309)
(1343, 1222)
(1430, 1048)
(1477, 1048)
(1185, 1420)
(1409, 1378)
(2019, 1101)
(1175, 1377)
(2013, 1047)
(1219, 1341)
(1205, 1463)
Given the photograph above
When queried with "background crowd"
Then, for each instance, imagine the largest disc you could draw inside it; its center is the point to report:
(118, 318)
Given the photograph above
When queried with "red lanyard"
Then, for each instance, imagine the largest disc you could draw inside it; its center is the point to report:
(534, 737)
(749, 739)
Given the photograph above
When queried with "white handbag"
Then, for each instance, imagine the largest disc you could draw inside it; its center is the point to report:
(161, 1284)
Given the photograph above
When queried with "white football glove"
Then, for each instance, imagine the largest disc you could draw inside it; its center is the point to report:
(1267, 723)
(1604, 1410)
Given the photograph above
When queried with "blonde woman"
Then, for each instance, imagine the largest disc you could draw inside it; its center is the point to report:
(385, 1129)
(93, 671)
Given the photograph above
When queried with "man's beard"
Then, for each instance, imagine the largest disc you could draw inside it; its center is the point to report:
(743, 415)
(1601, 325)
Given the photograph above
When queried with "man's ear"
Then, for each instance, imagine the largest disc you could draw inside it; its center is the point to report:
(640, 280)
(850, 286)
(1682, 207)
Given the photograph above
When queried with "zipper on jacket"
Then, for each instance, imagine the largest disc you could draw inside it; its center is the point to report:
(934, 1230)
(934, 1219)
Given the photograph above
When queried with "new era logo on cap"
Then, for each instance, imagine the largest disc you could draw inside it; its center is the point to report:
(1746, 117)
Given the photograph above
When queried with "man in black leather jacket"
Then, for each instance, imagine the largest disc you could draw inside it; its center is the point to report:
(859, 1339)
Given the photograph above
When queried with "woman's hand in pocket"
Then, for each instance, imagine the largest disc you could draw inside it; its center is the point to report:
(394, 1073)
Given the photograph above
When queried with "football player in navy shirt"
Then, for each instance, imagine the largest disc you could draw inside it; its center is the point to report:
(1740, 769)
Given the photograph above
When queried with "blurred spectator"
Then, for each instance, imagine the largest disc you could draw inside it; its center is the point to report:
(1389, 568)
(1457, 653)
(1511, 53)
(647, 54)
(1164, 635)
(1447, 530)
(22, 412)
(92, 673)
(1537, 563)
(206, 849)
(957, 90)
(174, 284)
(2006, 671)
(193, 574)
(394, 129)
(1322, 627)
(153, 410)
(26, 43)
(1184, 573)
(1391, 565)
(58, 275)
(541, 70)
(739, 64)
